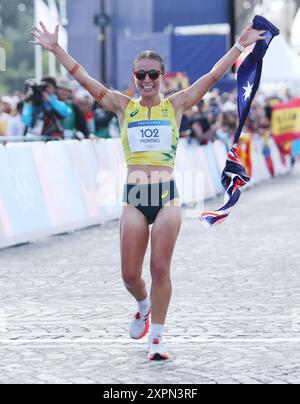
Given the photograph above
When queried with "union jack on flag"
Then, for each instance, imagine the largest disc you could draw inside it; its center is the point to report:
(234, 175)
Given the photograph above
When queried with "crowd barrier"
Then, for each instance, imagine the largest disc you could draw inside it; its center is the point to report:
(57, 187)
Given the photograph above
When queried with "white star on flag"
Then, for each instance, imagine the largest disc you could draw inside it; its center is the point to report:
(248, 91)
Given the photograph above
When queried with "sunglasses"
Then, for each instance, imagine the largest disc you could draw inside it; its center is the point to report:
(142, 74)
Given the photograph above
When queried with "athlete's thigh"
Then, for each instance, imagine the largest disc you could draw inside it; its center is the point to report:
(134, 237)
(164, 234)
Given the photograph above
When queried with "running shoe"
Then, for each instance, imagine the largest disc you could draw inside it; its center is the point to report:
(157, 351)
(140, 325)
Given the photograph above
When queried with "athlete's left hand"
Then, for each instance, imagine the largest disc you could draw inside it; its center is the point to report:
(250, 36)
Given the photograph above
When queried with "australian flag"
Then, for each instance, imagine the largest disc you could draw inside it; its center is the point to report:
(248, 78)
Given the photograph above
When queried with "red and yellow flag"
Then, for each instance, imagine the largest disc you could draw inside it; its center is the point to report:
(245, 153)
(286, 122)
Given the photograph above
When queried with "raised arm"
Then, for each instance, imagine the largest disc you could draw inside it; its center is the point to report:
(185, 99)
(110, 100)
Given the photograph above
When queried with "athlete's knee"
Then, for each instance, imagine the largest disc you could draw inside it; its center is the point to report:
(160, 273)
(131, 280)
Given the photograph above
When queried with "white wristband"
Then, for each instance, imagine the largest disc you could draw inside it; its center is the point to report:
(240, 47)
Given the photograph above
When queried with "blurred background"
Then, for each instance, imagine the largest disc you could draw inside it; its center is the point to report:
(105, 35)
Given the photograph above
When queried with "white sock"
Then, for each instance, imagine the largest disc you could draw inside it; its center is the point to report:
(145, 305)
(156, 330)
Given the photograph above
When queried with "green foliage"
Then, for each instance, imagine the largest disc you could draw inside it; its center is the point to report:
(15, 27)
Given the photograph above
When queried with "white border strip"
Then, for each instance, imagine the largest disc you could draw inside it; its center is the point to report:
(212, 29)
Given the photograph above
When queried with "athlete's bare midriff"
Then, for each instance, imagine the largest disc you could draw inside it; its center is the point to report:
(149, 174)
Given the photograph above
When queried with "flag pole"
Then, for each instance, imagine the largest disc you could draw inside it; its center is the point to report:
(64, 23)
(37, 49)
(51, 57)
(51, 65)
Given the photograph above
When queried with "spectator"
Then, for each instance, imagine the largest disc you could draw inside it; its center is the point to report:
(228, 102)
(43, 113)
(75, 121)
(214, 107)
(114, 128)
(86, 106)
(185, 127)
(214, 118)
(5, 114)
(103, 119)
(227, 128)
(202, 125)
(16, 126)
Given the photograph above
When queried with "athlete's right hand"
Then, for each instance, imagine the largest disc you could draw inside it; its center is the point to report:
(44, 37)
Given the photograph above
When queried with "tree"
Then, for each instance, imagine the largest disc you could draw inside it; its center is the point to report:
(16, 22)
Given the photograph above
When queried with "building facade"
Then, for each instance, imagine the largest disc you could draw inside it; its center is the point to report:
(191, 35)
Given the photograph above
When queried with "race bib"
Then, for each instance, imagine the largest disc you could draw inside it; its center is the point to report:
(150, 136)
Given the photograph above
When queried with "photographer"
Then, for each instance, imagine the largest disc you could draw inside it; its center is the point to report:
(74, 124)
(103, 120)
(43, 113)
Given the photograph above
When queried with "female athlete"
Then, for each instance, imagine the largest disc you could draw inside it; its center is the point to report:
(149, 137)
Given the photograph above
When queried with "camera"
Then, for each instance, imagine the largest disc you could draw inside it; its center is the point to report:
(34, 91)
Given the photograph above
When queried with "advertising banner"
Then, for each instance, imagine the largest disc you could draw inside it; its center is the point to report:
(286, 122)
(61, 186)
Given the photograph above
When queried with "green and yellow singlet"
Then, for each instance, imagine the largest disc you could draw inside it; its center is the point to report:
(150, 141)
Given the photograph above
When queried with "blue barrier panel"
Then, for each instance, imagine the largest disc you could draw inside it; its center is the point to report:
(85, 165)
(109, 196)
(260, 171)
(21, 193)
(190, 188)
(213, 166)
(6, 232)
(61, 187)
